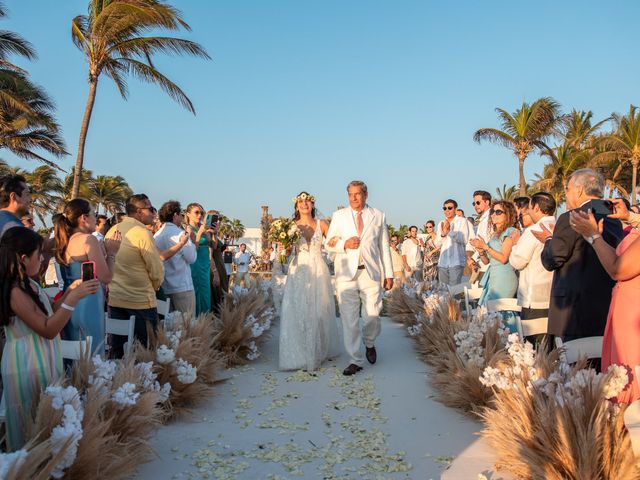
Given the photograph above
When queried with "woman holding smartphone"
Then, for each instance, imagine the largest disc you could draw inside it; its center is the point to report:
(201, 267)
(75, 246)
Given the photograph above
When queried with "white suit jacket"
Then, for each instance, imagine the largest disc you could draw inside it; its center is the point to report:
(374, 245)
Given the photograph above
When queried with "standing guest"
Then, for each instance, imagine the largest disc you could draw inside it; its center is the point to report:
(534, 287)
(219, 277)
(581, 287)
(396, 261)
(102, 226)
(178, 284)
(412, 254)
(522, 207)
(227, 256)
(460, 212)
(241, 260)
(31, 359)
(15, 201)
(201, 268)
(452, 237)
(621, 344)
(431, 254)
(500, 280)
(139, 271)
(27, 221)
(482, 205)
(75, 244)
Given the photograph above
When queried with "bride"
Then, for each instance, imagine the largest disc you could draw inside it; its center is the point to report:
(308, 328)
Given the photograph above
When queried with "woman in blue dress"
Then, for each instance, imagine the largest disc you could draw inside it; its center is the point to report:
(500, 279)
(201, 267)
(75, 244)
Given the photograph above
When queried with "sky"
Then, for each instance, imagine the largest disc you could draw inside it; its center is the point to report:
(309, 95)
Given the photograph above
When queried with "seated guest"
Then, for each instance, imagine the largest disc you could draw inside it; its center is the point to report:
(31, 359)
(178, 284)
(500, 280)
(621, 345)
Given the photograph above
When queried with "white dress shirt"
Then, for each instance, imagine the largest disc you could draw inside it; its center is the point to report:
(412, 252)
(483, 231)
(98, 235)
(453, 245)
(534, 286)
(177, 273)
(244, 258)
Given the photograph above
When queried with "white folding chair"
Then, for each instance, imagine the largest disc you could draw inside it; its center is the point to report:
(535, 326)
(116, 326)
(471, 293)
(74, 349)
(590, 347)
(163, 306)
(458, 289)
(632, 420)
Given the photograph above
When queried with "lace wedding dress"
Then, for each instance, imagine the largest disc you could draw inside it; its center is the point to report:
(308, 328)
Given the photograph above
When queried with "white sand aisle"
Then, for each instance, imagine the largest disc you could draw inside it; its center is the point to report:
(266, 424)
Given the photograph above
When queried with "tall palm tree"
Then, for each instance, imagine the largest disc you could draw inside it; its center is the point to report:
(577, 130)
(46, 189)
(623, 145)
(109, 192)
(67, 187)
(509, 193)
(524, 131)
(564, 160)
(237, 229)
(113, 38)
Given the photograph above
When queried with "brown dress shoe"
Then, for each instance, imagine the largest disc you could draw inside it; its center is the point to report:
(351, 369)
(372, 355)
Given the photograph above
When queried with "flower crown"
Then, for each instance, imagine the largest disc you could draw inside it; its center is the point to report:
(304, 196)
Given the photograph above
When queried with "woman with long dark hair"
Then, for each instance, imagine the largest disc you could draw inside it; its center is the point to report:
(31, 357)
(75, 244)
(200, 269)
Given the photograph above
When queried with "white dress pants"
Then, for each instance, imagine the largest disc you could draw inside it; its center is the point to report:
(350, 293)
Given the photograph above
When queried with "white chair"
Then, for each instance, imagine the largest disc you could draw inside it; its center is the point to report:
(458, 289)
(535, 326)
(632, 420)
(163, 306)
(74, 349)
(590, 347)
(116, 326)
(471, 293)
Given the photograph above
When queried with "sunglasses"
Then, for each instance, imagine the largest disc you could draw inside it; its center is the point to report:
(448, 208)
(429, 226)
(476, 203)
(496, 212)
(151, 209)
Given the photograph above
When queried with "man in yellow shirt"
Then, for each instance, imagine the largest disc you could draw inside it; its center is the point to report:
(138, 271)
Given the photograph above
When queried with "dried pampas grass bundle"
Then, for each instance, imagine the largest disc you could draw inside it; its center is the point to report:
(36, 461)
(242, 326)
(403, 308)
(565, 427)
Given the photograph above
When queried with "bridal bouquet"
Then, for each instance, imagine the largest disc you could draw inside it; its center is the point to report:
(285, 232)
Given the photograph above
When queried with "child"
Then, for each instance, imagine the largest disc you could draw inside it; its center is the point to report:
(31, 358)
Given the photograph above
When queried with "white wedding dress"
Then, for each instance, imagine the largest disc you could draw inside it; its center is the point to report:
(308, 327)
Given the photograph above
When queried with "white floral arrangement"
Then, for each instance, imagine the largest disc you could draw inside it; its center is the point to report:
(254, 353)
(66, 399)
(258, 327)
(285, 232)
(125, 394)
(13, 460)
(102, 376)
(185, 372)
(304, 196)
(149, 383)
(469, 342)
(165, 355)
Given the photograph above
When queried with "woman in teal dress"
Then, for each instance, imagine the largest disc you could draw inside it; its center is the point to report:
(75, 244)
(500, 279)
(31, 357)
(201, 267)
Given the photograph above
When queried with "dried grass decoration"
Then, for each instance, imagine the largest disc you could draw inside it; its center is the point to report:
(35, 461)
(183, 355)
(552, 421)
(243, 325)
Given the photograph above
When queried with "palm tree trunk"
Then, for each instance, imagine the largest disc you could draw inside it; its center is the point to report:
(523, 184)
(634, 180)
(77, 174)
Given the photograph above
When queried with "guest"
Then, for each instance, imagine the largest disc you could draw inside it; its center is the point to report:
(500, 280)
(412, 255)
(522, 206)
(27, 221)
(452, 237)
(534, 287)
(581, 287)
(15, 201)
(201, 268)
(621, 344)
(460, 212)
(102, 226)
(75, 244)
(31, 359)
(219, 277)
(241, 260)
(397, 261)
(178, 284)
(431, 254)
(138, 273)
(482, 205)
(227, 256)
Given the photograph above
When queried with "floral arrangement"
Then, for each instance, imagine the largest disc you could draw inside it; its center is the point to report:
(303, 196)
(243, 324)
(285, 232)
(35, 461)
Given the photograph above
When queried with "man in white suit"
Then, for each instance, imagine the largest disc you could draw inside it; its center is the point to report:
(358, 236)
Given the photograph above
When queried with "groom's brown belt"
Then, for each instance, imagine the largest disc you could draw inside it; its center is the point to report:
(360, 267)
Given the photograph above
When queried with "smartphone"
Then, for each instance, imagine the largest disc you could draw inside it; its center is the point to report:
(212, 219)
(88, 271)
(601, 207)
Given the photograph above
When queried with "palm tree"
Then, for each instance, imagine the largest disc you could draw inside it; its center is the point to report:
(46, 188)
(623, 145)
(237, 229)
(576, 128)
(564, 160)
(112, 37)
(109, 192)
(67, 187)
(524, 131)
(509, 194)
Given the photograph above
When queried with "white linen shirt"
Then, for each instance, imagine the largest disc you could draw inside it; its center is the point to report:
(453, 245)
(483, 231)
(412, 252)
(239, 258)
(177, 273)
(534, 286)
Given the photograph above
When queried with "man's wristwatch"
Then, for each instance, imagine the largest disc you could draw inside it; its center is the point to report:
(592, 238)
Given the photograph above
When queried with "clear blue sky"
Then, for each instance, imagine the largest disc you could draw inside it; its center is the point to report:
(309, 95)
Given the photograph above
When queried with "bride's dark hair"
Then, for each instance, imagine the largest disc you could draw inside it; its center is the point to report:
(296, 213)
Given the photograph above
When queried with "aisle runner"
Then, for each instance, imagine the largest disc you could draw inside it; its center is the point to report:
(350, 446)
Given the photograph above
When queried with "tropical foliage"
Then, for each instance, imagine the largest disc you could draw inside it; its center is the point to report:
(115, 39)
(231, 228)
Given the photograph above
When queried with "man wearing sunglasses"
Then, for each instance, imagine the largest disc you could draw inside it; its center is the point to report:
(452, 237)
(482, 205)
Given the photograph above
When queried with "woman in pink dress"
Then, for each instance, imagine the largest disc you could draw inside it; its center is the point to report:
(621, 345)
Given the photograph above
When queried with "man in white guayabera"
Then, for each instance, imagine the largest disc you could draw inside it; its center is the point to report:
(358, 236)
